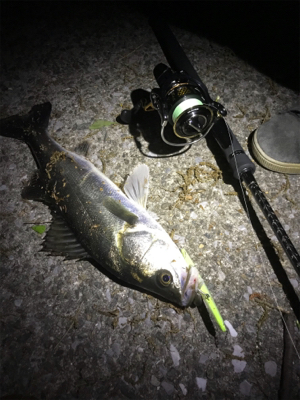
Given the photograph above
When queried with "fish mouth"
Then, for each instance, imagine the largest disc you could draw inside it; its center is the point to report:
(189, 286)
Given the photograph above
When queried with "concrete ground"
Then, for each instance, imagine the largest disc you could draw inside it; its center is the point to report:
(67, 330)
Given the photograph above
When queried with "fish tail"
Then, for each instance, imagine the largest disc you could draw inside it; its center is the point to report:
(27, 127)
(31, 128)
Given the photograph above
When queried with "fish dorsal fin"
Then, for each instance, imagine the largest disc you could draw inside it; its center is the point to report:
(120, 211)
(61, 241)
(137, 185)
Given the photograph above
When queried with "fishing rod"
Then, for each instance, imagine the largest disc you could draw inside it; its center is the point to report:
(183, 101)
(184, 104)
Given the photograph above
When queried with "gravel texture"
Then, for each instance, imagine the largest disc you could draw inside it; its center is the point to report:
(68, 331)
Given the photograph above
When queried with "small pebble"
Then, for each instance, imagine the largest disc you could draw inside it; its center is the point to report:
(232, 331)
(245, 388)
(183, 388)
(203, 358)
(18, 302)
(294, 282)
(154, 381)
(169, 388)
(201, 383)
(108, 296)
(238, 365)
(221, 275)
(271, 368)
(175, 355)
(238, 351)
(193, 215)
(122, 322)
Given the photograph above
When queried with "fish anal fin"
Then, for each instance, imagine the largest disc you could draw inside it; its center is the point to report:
(61, 241)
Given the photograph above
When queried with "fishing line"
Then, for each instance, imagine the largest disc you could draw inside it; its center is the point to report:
(183, 101)
(186, 146)
(259, 251)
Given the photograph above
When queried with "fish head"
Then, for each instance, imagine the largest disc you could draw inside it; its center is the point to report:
(156, 264)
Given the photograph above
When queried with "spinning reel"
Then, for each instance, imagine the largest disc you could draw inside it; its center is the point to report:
(184, 103)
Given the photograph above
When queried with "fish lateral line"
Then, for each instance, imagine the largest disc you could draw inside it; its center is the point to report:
(110, 227)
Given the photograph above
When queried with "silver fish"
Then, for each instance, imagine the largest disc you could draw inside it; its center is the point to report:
(94, 219)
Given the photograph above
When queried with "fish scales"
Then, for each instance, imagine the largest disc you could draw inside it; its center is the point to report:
(79, 189)
(93, 218)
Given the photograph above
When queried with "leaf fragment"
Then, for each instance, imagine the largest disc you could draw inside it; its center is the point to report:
(39, 228)
(100, 123)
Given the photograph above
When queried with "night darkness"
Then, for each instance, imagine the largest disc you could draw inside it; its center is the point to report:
(263, 33)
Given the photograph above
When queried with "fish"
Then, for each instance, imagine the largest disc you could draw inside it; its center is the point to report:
(94, 219)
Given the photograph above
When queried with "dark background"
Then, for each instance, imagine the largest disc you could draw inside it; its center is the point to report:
(263, 33)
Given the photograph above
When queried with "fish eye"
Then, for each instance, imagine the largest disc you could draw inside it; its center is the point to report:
(164, 278)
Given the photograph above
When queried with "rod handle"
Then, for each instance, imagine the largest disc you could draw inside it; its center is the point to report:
(235, 155)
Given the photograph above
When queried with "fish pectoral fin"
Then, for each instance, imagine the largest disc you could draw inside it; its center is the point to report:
(120, 211)
(61, 241)
(36, 190)
(137, 185)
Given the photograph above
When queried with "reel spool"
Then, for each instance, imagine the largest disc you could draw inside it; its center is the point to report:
(184, 104)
